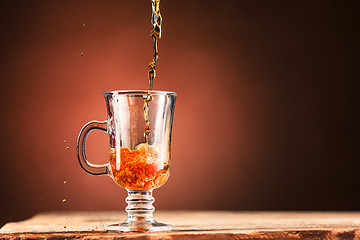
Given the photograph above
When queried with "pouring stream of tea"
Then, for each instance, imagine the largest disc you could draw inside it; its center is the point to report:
(156, 35)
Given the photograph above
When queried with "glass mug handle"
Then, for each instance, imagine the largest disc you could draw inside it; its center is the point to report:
(94, 169)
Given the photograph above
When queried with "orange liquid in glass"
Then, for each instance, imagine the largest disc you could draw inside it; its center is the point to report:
(138, 169)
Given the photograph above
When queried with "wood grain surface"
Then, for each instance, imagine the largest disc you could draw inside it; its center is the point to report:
(191, 225)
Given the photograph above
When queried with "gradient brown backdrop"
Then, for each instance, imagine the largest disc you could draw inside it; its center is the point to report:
(265, 117)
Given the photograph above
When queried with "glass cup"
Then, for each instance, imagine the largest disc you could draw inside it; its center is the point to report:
(139, 162)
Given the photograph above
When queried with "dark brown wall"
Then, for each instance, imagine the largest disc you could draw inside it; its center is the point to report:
(265, 117)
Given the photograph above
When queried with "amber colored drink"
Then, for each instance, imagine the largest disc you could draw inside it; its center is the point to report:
(139, 169)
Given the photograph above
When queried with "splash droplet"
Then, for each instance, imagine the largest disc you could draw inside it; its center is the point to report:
(64, 226)
(64, 200)
(84, 25)
(82, 54)
(65, 182)
(64, 141)
(67, 148)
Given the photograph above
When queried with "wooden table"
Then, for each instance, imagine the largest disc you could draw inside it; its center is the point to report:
(192, 225)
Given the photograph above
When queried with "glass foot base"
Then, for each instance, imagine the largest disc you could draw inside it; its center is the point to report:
(140, 226)
(140, 214)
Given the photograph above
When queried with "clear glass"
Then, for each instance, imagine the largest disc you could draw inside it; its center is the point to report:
(134, 164)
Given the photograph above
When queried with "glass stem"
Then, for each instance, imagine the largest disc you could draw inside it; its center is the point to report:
(140, 211)
(140, 205)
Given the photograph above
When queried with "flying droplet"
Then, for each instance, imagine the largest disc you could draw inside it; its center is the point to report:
(67, 148)
(64, 200)
(65, 182)
(84, 25)
(64, 141)
(64, 226)
(82, 54)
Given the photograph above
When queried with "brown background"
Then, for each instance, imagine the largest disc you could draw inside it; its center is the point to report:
(265, 117)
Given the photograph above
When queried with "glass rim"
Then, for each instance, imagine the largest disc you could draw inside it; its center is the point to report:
(138, 92)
